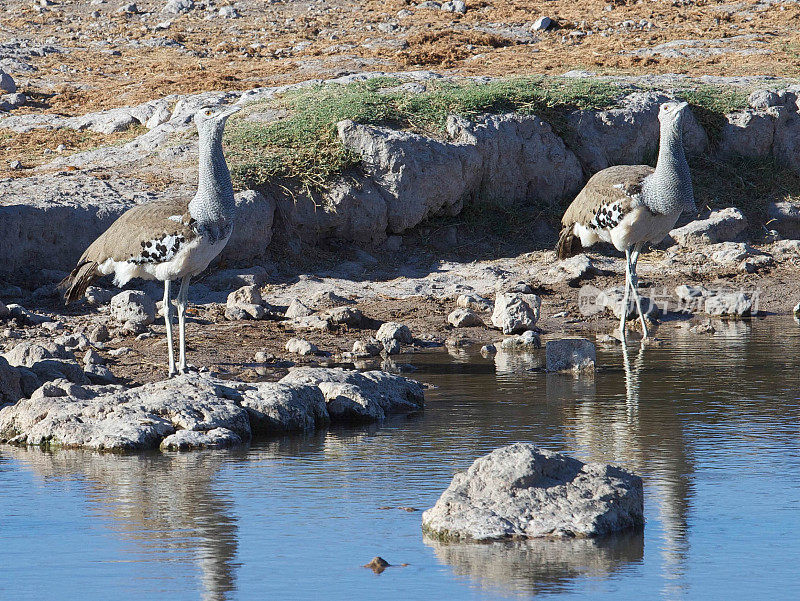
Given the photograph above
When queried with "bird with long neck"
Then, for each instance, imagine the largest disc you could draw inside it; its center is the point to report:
(168, 240)
(631, 205)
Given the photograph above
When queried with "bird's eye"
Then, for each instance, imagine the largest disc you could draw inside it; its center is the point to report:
(208, 113)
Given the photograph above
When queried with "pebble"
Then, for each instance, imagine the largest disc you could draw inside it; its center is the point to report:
(541, 24)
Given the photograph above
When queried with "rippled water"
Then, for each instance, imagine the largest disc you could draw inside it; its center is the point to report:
(711, 423)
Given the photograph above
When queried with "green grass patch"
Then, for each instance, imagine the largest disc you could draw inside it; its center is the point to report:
(710, 104)
(300, 144)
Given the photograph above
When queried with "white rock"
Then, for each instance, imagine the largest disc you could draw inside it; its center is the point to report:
(464, 318)
(245, 303)
(176, 7)
(541, 23)
(526, 341)
(367, 348)
(731, 304)
(391, 330)
(190, 440)
(576, 354)
(7, 83)
(724, 225)
(133, 307)
(298, 346)
(297, 309)
(515, 312)
(474, 302)
(520, 491)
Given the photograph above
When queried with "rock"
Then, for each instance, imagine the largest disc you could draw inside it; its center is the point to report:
(756, 263)
(128, 9)
(298, 346)
(99, 333)
(245, 303)
(57, 369)
(252, 233)
(612, 299)
(785, 217)
(349, 316)
(474, 302)
(190, 440)
(692, 298)
(279, 408)
(7, 83)
(729, 253)
(348, 403)
(367, 348)
(488, 349)
(725, 225)
(99, 374)
(297, 309)
(429, 4)
(520, 491)
(177, 7)
(576, 354)
(28, 317)
(391, 330)
(526, 341)
(732, 304)
(236, 278)
(464, 318)
(377, 565)
(133, 308)
(27, 353)
(229, 12)
(116, 419)
(626, 134)
(328, 300)
(392, 347)
(98, 296)
(10, 384)
(4, 311)
(311, 322)
(541, 24)
(393, 393)
(515, 312)
(72, 342)
(570, 270)
(521, 158)
(92, 357)
(455, 6)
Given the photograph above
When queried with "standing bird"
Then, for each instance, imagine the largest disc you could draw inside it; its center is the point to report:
(170, 239)
(629, 205)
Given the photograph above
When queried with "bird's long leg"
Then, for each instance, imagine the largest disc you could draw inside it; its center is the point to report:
(625, 297)
(635, 286)
(183, 297)
(168, 324)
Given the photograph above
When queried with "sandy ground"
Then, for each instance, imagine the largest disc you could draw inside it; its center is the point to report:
(422, 300)
(96, 57)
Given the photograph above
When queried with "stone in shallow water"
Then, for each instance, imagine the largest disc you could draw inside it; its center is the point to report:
(520, 491)
(576, 354)
(189, 440)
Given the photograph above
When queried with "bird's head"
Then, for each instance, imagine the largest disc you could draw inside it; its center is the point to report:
(673, 113)
(212, 118)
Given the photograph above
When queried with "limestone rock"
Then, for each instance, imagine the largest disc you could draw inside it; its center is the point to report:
(515, 312)
(575, 354)
(245, 303)
(349, 316)
(298, 346)
(276, 408)
(526, 341)
(10, 384)
(367, 348)
(190, 440)
(252, 232)
(724, 225)
(464, 318)
(348, 403)
(731, 304)
(394, 394)
(27, 353)
(474, 302)
(132, 307)
(785, 217)
(570, 270)
(391, 330)
(520, 491)
(297, 309)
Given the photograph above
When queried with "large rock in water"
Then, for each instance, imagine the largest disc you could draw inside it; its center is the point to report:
(221, 412)
(520, 491)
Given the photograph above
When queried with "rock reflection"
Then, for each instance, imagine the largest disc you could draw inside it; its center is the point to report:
(165, 506)
(539, 565)
(506, 362)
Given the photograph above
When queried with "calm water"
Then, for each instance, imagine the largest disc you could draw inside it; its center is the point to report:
(711, 423)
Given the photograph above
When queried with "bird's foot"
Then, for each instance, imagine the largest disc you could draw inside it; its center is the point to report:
(188, 369)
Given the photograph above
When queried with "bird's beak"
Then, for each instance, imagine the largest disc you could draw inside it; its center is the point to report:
(232, 110)
(682, 106)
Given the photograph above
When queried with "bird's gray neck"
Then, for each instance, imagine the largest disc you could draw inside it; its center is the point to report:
(213, 206)
(669, 189)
